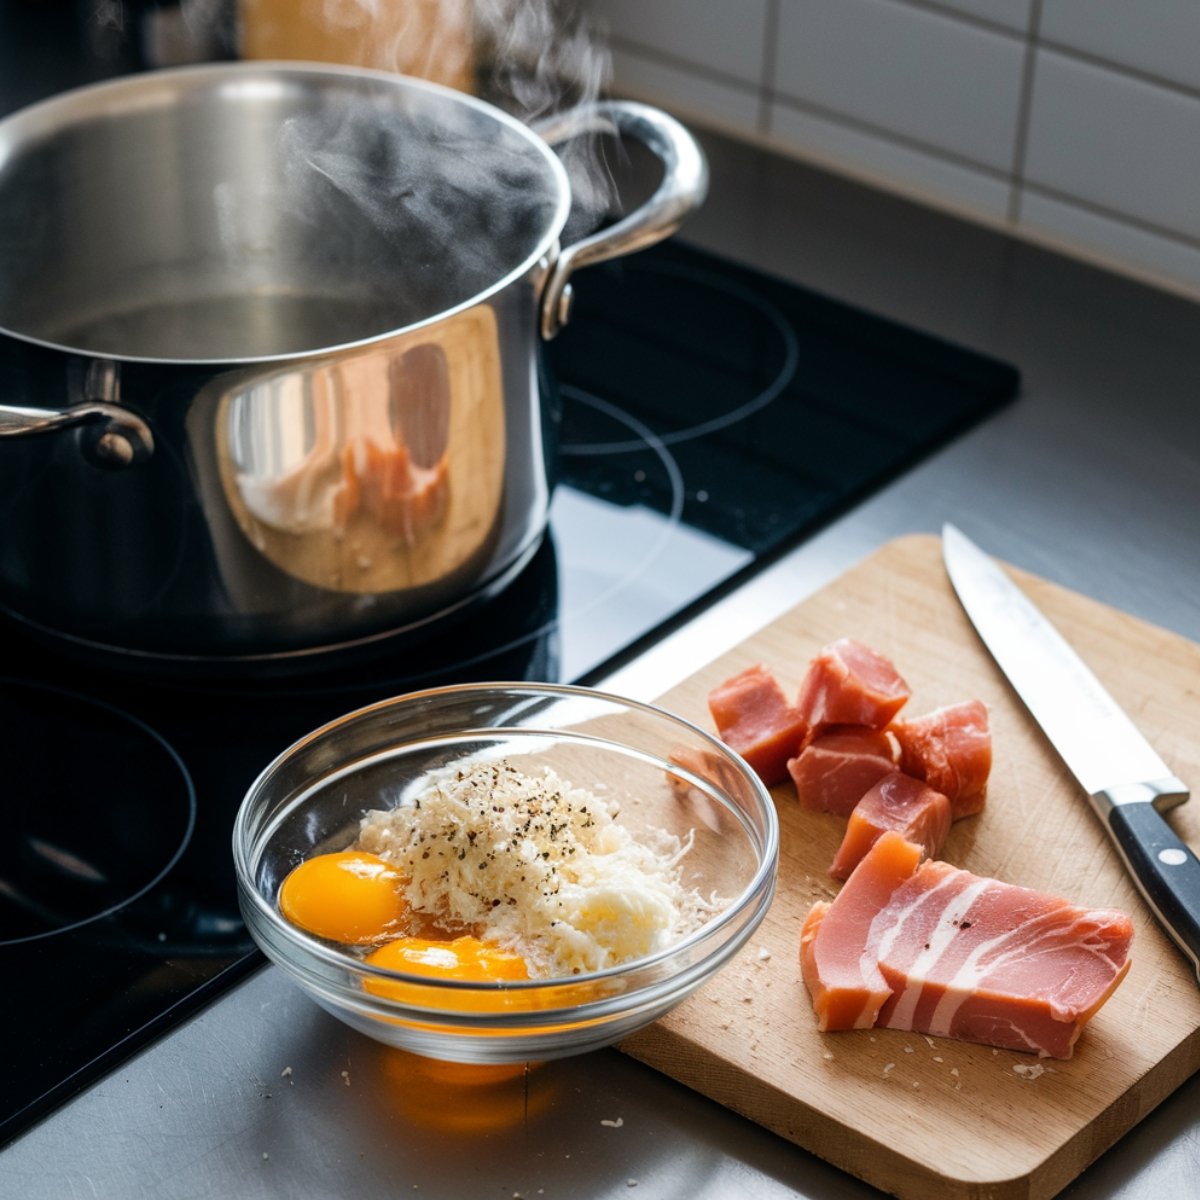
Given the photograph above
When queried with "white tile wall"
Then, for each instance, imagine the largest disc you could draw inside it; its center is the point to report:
(728, 38)
(868, 156)
(915, 74)
(1159, 37)
(718, 102)
(1123, 145)
(1013, 14)
(1073, 122)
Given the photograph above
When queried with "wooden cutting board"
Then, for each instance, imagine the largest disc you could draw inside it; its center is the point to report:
(915, 1116)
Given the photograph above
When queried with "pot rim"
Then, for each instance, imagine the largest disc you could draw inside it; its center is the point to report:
(59, 111)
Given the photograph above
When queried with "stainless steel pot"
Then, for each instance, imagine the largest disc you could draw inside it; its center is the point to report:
(269, 368)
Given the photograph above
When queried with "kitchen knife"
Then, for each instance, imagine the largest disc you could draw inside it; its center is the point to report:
(1128, 784)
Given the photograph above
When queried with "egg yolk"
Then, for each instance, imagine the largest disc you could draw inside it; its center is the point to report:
(350, 896)
(466, 959)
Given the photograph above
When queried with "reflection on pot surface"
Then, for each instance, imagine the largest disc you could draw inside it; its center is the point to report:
(376, 470)
(296, 314)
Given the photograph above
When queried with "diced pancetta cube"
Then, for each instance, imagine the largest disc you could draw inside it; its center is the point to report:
(753, 716)
(951, 750)
(898, 802)
(835, 769)
(850, 684)
(960, 955)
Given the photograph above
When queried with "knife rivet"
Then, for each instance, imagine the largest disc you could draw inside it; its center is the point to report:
(1172, 857)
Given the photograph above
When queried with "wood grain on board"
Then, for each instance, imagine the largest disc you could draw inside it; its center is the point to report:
(922, 1117)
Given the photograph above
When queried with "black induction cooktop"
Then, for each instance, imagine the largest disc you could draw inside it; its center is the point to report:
(712, 418)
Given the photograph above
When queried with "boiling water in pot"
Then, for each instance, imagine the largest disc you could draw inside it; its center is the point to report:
(257, 217)
(252, 325)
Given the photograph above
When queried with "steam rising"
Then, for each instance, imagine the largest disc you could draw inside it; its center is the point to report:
(360, 193)
(438, 198)
(543, 57)
(530, 58)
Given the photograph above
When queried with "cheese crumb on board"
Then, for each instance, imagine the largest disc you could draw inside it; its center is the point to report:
(538, 866)
(1029, 1070)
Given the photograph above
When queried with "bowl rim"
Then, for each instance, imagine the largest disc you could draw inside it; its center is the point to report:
(761, 882)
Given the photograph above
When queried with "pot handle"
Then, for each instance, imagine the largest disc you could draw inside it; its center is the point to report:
(681, 191)
(109, 436)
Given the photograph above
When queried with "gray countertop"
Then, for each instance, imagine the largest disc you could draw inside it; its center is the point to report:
(1091, 479)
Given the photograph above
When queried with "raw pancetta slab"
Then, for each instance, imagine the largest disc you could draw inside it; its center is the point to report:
(931, 948)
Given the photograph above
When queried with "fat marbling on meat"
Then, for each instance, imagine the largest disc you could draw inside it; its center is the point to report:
(834, 769)
(931, 948)
(848, 683)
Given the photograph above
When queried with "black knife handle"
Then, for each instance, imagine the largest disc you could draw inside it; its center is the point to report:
(1166, 871)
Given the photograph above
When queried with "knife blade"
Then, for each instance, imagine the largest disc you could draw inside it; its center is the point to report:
(1128, 784)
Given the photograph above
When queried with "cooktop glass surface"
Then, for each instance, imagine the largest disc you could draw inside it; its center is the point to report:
(712, 417)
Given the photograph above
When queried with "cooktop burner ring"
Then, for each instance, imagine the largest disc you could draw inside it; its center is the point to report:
(63, 850)
(775, 319)
(649, 440)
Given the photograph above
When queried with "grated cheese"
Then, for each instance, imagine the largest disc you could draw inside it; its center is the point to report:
(537, 865)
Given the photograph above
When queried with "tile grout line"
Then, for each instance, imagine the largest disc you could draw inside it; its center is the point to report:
(1065, 49)
(961, 16)
(770, 67)
(1137, 74)
(904, 141)
(1024, 113)
(933, 152)
(1115, 216)
(686, 66)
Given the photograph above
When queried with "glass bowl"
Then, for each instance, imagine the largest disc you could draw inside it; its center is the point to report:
(670, 778)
